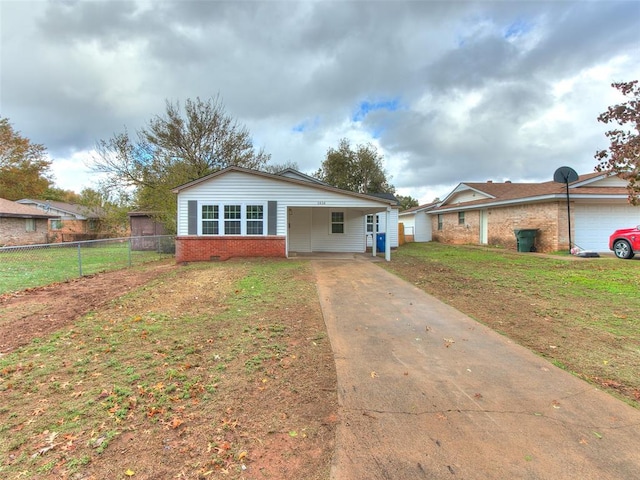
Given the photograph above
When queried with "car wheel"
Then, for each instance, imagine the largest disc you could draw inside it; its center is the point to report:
(622, 249)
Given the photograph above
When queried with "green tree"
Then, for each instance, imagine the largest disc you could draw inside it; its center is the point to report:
(279, 167)
(623, 155)
(60, 195)
(174, 149)
(25, 170)
(113, 209)
(359, 170)
(407, 202)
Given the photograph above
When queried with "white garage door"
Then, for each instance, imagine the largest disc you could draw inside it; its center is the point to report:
(594, 224)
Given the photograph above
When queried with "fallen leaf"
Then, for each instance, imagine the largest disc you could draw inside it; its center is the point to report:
(176, 422)
(597, 435)
(374, 374)
(129, 473)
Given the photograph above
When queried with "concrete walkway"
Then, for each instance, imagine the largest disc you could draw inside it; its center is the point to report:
(426, 392)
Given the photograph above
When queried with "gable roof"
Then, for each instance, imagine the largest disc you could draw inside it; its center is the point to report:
(496, 193)
(420, 208)
(281, 178)
(80, 211)
(10, 209)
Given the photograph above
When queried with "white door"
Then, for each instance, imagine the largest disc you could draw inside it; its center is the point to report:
(299, 223)
(484, 227)
(594, 223)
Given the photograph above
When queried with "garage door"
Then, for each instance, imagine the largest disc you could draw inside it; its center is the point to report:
(594, 224)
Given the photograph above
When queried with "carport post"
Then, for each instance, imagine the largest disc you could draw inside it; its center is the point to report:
(387, 240)
(373, 242)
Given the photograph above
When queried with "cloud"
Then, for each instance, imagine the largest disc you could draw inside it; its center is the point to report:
(448, 91)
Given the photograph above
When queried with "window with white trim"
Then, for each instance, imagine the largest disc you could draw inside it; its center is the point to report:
(440, 221)
(56, 224)
(371, 219)
(233, 219)
(255, 219)
(460, 218)
(30, 224)
(210, 220)
(337, 222)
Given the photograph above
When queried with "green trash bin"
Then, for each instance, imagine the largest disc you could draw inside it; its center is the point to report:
(525, 238)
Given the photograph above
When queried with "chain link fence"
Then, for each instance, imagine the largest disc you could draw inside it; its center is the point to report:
(35, 265)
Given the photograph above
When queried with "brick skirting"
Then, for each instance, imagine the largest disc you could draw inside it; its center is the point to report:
(199, 249)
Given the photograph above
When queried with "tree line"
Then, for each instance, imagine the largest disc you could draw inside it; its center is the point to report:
(188, 142)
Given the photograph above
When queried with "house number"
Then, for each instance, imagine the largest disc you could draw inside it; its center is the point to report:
(322, 203)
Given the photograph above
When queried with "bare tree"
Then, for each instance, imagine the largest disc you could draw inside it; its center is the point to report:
(174, 149)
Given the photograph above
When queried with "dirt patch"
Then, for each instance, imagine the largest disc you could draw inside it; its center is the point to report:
(36, 312)
(164, 372)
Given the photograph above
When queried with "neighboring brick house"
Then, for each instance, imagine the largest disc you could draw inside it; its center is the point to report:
(22, 224)
(488, 213)
(73, 222)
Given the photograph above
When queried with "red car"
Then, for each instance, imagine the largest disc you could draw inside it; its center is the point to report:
(625, 242)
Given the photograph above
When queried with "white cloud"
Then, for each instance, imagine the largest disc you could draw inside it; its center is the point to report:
(487, 89)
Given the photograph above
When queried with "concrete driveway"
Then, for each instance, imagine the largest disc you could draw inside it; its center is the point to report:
(426, 392)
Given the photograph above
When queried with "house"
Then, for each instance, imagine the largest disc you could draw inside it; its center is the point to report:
(22, 224)
(416, 222)
(238, 212)
(72, 222)
(488, 213)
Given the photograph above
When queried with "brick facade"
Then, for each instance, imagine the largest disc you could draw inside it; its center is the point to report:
(550, 218)
(197, 249)
(13, 231)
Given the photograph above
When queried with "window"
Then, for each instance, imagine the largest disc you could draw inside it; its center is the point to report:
(440, 221)
(337, 222)
(241, 219)
(56, 224)
(370, 222)
(232, 220)
(210, 220)
(92, 224)
(30, 225)
(255, 219)
(460, 218)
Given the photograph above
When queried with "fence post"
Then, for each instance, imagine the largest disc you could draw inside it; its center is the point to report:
(79, 260)
(129, 250)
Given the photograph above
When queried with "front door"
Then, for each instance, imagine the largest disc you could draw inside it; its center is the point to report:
(484, 227)
(299, 229)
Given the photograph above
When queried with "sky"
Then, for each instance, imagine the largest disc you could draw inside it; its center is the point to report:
(447, 91)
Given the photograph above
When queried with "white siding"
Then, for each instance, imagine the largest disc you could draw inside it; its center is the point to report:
(352, 240)
(422, 227)
(466, 196)
(239, 187)
(594, 223)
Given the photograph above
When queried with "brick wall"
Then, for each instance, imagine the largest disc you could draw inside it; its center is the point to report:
(13, 231)
(549, 218)
(198, 249)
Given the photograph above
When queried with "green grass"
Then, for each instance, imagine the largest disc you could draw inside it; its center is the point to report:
(38, 266)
